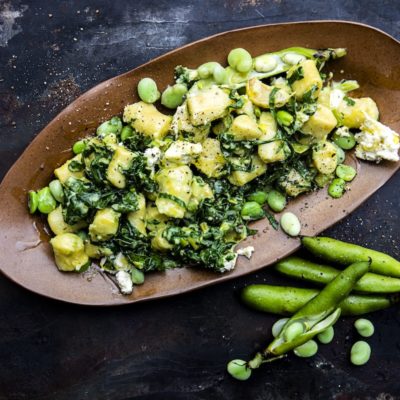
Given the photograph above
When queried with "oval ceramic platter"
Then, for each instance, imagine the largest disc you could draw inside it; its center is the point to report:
(26, 256)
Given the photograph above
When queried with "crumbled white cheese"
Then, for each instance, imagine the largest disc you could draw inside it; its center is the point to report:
(182, 152)
(335, 98)
(377, 142)
(153, 156)
(343, 131)
(124, 282)
(229, 265)
(246, 251)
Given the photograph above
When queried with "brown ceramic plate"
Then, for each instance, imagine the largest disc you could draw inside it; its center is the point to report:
(25, 252)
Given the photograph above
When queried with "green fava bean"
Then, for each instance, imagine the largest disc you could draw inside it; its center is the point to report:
(32, 201)
(278, 325)
(260, 197)
(344, 142)
(340, 155)
(219, 74)
(240, 60)
(239, 370)
(137, 276)
(276, 201)
(360, 353)
(327, 335)
(214, 70)
(293, 330)
(114, 125)
(126, 132)
(284, 118)
(307, 349)
(57, 190)
(364, 327)
(337, 188)
(206, 70)
(290, 224)
(345, 172)
(148, 91)
(252, 210)
(46, 201)
(79, 146)
(173, 96)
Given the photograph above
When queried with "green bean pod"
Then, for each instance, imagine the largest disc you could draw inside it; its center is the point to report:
(298, 268)
(284, 300)
(347, 253)
(271, 64)
(317, 315)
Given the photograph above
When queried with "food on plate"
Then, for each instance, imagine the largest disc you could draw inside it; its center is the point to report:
(153, 189)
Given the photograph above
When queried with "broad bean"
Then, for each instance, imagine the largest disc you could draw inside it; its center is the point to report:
(360, 353)
(148, 91)
(240, 60)
(173, 96)
(290, 224)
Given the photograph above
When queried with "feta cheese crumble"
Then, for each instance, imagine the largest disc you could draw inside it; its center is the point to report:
(124, 282)
(343, 131)
(246, 251)
(230, 264)
(335, 98)
(377, 142)
(153, 156)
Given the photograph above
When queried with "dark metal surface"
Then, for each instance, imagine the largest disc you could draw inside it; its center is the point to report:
(177, 348)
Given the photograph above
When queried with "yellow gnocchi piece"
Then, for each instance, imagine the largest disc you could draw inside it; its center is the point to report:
(273, 151)
(121, 160)
(353, 115)
(146, 119)
(105, 225)
(211, 161)
(240, 178)
(69, 252)
(63, 173)
(325, 158)
(311, 78)
(320, 124)
(207, 105)
(174, 190)
(57, 224)
(138, 218)
(245, 128)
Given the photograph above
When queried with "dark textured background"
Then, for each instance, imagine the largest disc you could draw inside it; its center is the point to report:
(177, 348)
